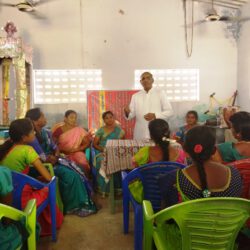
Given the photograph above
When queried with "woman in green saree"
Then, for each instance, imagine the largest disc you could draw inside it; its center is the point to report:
(230, 151)
(108, 132)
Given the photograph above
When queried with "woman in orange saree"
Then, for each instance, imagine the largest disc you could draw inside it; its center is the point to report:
(72, 140)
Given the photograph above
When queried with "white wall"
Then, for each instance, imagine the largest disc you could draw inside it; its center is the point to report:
(149, 34)
(244, 62)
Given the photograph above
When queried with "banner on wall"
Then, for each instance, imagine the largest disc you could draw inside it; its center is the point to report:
(99, 101)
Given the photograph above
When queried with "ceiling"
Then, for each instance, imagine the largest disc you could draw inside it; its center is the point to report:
(233, 4)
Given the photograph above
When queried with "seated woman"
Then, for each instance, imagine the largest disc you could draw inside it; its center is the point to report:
(191, 121)
(205, 177)
(18, 156)
(230, 151)
(109, 131)
(10, 235)
(73, 184)
(72, 140)
(164, 150)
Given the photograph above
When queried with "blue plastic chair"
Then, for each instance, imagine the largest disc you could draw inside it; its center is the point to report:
(149, 176)
(20, 180)
(94, 171)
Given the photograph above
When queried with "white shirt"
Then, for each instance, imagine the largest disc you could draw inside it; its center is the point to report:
(142, 103)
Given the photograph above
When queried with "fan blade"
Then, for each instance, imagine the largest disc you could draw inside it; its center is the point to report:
(226, 19)
(244, 19)
(37, 15)
(233, 19)
(7, 4)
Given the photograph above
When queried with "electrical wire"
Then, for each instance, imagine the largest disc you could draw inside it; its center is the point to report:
(189, 48)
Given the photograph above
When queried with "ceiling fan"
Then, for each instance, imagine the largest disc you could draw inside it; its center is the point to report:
(213, 16)
(27, 6)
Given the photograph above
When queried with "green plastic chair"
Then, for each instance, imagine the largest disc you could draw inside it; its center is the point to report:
(29, 214)
(211, 223)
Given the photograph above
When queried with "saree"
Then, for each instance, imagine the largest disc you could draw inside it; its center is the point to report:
(73, 184)
(10, 237)
(142, 157)
(180, 135)
(71, 140)
(104, 136)
(228, 152)
(20, 158)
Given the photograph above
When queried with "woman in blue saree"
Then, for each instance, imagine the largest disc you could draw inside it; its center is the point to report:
(108, 132)
(74, 187)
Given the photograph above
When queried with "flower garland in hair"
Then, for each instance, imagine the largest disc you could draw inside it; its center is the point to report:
(198, 148)
(164, 138)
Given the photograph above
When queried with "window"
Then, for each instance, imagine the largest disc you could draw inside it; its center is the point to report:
(179, 84)
(65, 86)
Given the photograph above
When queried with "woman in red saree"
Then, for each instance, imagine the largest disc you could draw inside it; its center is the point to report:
(72, 140)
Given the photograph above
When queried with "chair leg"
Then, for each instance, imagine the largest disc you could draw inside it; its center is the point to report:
(125, 213)
(138, 228)
(53, 213)
(31, 223)
(147, 239)
(112, 194)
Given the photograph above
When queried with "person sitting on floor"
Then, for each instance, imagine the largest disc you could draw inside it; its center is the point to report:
(10, 232)
(165, 148)
(230, 151)
(191, 121)
(72, 140)
(20, 157)
(77, 195)
(109, 131)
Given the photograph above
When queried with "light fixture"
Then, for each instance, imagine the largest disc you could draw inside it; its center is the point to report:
(25, 7)
(212, 17)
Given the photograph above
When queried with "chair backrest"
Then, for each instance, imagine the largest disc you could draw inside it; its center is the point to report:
(149, 175)
(20, 180)
(211, 223)
(244, 168)
(29, 214)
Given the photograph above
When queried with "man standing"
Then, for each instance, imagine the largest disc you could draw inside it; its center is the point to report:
(146, 105)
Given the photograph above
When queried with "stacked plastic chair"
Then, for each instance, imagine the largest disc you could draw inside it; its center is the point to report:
(29, 215)
(211, 223)
(149, 176)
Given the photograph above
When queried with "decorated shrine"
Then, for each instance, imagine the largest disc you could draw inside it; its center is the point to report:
(16, 60)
